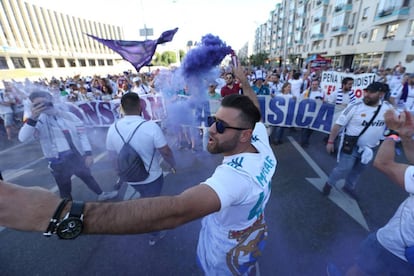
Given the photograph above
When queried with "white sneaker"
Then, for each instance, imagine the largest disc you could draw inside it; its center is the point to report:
(153, 240)
(107, 195)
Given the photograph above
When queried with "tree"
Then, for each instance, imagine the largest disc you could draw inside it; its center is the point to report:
(259, 59)
(164, 59)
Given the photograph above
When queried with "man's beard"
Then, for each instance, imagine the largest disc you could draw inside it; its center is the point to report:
(370, 102)
(226, 146)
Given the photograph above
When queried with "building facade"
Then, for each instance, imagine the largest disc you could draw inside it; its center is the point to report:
(39, 41)
(353, 33)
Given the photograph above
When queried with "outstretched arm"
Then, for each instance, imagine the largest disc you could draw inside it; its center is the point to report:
(150, 214)
(30, 209)
(247, 89)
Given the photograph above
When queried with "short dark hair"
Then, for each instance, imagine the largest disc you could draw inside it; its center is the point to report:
(296, 75)
(249, 114)
(130, 103)
(346, 79)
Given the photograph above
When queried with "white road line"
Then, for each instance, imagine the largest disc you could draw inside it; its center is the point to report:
(10, 175)
(349, 205)
(14, 147)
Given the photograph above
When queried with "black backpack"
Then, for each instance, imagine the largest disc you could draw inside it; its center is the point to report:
(131, 168)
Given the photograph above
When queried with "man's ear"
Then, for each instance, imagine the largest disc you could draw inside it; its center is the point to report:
(246, 135)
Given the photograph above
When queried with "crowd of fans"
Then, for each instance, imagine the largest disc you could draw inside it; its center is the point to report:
(271, 82)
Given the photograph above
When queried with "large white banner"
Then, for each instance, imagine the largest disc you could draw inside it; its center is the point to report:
(332, 81)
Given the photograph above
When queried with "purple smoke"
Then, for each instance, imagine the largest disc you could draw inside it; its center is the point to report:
(203, 58)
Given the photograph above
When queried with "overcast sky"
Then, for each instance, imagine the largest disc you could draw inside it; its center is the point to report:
(234, 21)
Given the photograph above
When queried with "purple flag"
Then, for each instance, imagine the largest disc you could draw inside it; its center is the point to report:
(138, 53)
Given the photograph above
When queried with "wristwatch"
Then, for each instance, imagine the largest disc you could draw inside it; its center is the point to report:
(51, 228)
(388, 132)
(71, 225)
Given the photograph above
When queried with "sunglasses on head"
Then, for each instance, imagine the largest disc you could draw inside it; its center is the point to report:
(220, 125)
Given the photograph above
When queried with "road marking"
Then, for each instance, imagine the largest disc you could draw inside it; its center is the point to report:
(10, 175)
(14, 147)
(342, 200)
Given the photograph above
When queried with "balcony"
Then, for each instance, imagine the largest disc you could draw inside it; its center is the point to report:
(339, 8)
(339, 30)
(318, 36)
(385, 12)
(391, 15)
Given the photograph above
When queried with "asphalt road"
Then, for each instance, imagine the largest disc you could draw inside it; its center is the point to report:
(306, 229)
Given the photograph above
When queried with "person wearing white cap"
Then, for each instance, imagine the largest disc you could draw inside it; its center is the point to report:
(138, 86)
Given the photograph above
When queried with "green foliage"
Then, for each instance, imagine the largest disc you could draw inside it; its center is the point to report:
(164, 59)
(259, 59)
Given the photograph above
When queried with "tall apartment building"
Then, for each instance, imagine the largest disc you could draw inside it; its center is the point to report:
(35, 39)
(353, 33)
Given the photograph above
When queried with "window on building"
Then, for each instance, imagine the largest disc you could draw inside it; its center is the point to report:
(411, 28)
(72, 62)
(316, 30)
(374, 34)
(34, 62)
(338, 21)
(339, 5)
(92, 62)
(3, 63)
(330, 43)
(82, 62)
(110, 62)
(349, 42)
(365, 13)
(18, 62)
(390, 31)
(47, 62)
(101, 62)
(60, 62)
(339, 40)
(387, 7)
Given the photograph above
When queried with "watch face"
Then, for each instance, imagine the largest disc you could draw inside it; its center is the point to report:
(387, 132)
(69, 228)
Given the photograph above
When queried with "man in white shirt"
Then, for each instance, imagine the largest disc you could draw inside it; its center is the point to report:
(148, 141)
(64, 143)
(296, 85)
(139, 87)
(232, 201)
(354, 118)
(345, 95)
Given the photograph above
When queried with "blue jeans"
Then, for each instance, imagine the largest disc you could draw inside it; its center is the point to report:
(151, 189)
(68, 164)
(374, 259)
(348, 167)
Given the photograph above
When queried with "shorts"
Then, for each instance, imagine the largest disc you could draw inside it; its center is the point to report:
(374, 259)
(8, 119)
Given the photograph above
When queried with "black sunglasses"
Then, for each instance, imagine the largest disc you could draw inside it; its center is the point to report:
(220, 125)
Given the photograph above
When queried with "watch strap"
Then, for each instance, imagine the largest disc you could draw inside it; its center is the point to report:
(77, 209)
(389, 132)
(55, 218)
